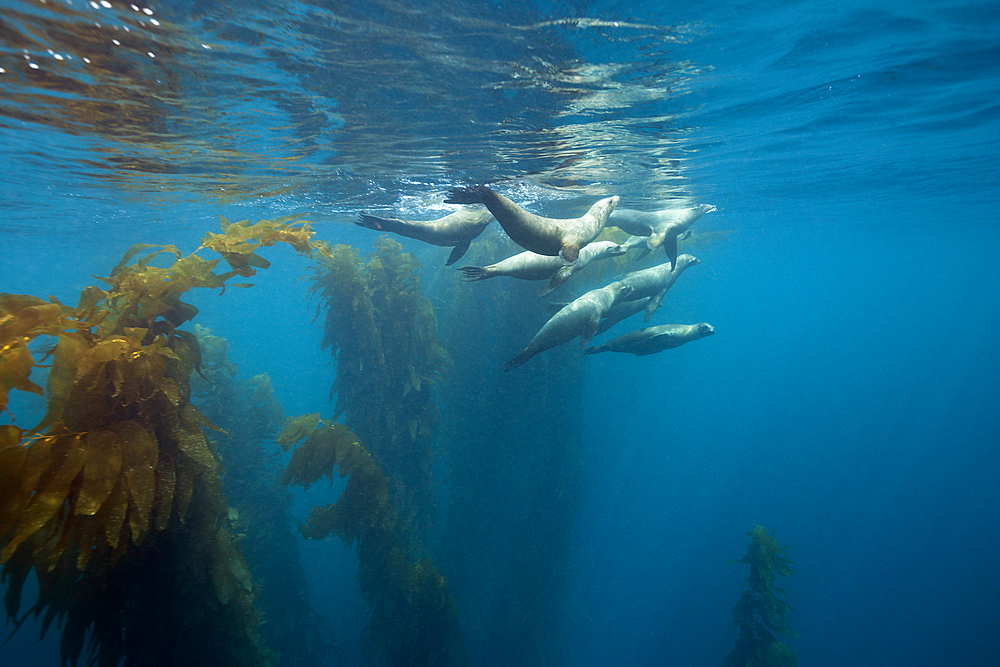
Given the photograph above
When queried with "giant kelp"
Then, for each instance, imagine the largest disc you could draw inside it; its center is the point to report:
(383, 333)
(250, 416)
(762, 609)
(413, 616)
(114, 498)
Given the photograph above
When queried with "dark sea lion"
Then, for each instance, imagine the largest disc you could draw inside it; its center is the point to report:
(455, 229)
(655, 281)
(529, 265)
(545, 236)
(580, 317)
(655, 339)
(662, 227)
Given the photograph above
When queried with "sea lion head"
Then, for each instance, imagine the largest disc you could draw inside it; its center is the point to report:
(702, 329)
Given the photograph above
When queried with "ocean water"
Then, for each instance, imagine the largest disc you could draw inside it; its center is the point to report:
(848, 399)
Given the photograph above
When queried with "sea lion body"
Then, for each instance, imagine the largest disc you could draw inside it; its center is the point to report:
(662, 227)
(620, 311)
(529, 265)
(655, 281)
(545, 236)
(456, 229)
(580, 317)
(655, 339)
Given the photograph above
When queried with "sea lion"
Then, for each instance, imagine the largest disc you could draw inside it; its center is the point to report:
(529, 265)
(620, 311)
(580, 317)
(546, 236)
(455, 229)
(655, 339)
(655, 281)
(662, 227)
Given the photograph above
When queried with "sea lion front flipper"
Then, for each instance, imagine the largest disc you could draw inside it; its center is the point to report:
(557, 279)
(474, 195)
(589, 330)
(653, 304)
(457, 252)
(655, 240)
(569, 253)
(670, 246)
(374, 222)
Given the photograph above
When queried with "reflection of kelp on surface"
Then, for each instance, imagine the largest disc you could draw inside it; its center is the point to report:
(383, 333)
(414, 619)
(114, 498)
(513, 439)
(762, 608)
(259, 507)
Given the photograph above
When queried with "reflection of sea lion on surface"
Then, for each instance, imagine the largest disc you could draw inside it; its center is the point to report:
(529, 265)
(455, 229)
(662, 227)
(546, 236)
(577, 318)
(655, 339)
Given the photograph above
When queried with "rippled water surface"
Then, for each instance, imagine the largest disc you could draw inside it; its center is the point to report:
(848, 398)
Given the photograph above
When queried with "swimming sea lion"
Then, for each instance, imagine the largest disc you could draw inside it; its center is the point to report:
(655, 339)
(662, 227)
(529, 265)
(580, 317)
(655, 281)
(620, 311)
(455, 229)
(546, 236)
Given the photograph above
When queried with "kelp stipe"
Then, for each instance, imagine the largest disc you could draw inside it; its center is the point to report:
(383, 333)
(413, 616)
(114, 498)
(259, 506)
(762, 608)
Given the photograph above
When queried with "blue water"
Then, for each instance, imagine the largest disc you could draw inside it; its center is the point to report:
(849, 398)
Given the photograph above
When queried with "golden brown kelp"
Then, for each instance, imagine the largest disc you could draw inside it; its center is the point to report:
(383, 333)
(245, 408)
(114, 498)
(414, 618)
(762, 608)
(513, 445)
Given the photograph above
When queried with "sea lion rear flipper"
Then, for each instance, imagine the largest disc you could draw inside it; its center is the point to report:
(457, 252)
(473, 273)
(596, 348)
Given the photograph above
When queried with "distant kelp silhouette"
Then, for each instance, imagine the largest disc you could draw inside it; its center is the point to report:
(762, 609)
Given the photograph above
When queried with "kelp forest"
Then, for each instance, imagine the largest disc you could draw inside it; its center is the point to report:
(153, 500)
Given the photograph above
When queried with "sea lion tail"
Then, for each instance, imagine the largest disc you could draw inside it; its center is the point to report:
(475, 194)
(472, 273)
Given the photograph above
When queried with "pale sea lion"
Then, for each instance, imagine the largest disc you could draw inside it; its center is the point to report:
(580, 317)
(620, 311)
(529, 265)
(545, 236)
(655, 281)
(456, 229)
(662, 227)
(655, 339)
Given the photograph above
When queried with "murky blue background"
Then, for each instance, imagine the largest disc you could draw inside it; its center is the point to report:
(849, 398)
